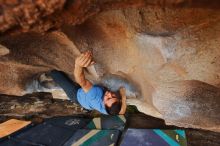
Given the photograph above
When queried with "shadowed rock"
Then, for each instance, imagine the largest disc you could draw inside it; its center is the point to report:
(114, 82)
(41, 16)
(38, 104)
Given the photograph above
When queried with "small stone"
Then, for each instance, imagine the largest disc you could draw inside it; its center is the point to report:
(3, 50)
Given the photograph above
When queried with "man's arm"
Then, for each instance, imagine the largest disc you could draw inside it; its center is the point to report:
(84, 60)
(123, 100)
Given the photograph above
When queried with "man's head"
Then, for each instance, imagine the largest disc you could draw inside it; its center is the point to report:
(112, 102)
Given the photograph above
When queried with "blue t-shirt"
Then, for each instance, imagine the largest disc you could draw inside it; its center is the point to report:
(93, 99)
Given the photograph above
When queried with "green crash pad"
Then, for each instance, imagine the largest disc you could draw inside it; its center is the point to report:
(86, 137)
(108, 122)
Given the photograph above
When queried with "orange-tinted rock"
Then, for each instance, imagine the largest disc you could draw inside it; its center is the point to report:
(26, 13)
(152, 46)
(31, 54)
(43, 15)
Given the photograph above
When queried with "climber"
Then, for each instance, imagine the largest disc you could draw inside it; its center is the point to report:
(88, 95)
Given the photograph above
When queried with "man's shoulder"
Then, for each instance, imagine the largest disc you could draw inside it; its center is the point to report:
(98, 87)
(94, 90)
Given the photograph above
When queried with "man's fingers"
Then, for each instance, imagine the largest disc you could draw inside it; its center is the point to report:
(122, 90)
(93, 62)
(89, 59)
(82, 55)
(86, 57)
(80, 58)
(87, 63)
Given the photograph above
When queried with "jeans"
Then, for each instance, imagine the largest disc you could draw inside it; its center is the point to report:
(69, 87)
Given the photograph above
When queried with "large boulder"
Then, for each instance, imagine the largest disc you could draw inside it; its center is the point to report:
(32, 54)
(189, 103)
(150, 46)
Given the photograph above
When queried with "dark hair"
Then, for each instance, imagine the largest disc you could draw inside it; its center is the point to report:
(116, 106)
(114, 109)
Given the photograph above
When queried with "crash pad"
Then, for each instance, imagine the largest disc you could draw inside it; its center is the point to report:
(154, 137)
(70, 131)
(108, 122)
(85, 137)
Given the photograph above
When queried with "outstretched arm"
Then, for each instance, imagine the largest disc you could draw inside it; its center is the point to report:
(123, 100)
(84, 60)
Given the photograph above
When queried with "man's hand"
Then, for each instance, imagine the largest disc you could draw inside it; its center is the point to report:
(122, 91)
(123, 100)
(84, 60)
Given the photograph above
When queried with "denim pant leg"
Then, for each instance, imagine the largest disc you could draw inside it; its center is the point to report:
(66, 84)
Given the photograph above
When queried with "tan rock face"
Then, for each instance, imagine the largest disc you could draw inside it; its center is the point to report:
(156, 49)
(189, 103)
(31, 54)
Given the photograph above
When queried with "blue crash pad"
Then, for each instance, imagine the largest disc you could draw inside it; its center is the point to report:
(154, 137)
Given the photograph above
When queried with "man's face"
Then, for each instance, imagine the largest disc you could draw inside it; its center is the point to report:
(109, 98)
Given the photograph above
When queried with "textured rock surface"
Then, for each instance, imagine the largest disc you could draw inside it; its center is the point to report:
(43, 15)
(37, 105)
(23, 14)
(151, 46)
(31, 54)
(189, 103)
